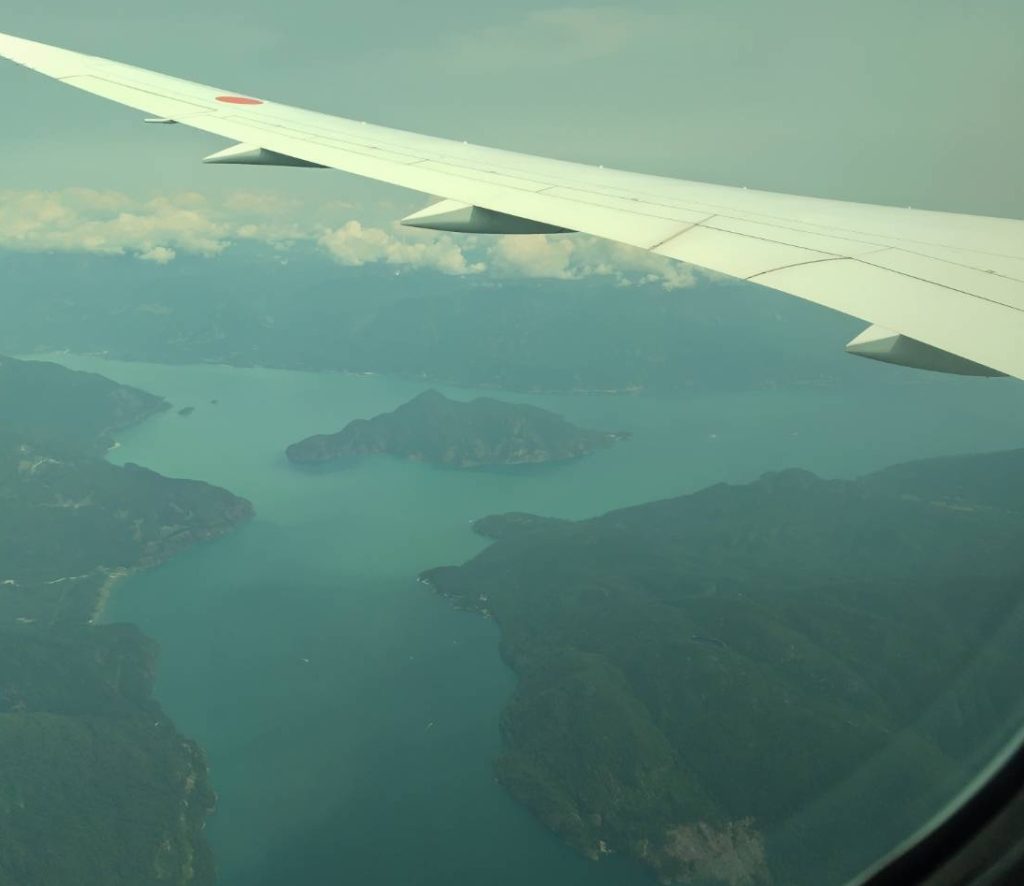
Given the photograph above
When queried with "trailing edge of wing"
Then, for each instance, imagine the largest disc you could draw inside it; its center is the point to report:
(954, 283)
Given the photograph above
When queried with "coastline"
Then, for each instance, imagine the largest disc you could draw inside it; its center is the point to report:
(628, 390)
(113, 578)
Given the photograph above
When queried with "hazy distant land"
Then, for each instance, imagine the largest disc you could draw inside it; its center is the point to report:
(481, 433)
(550, 335)
(100, 786)
(695, 672)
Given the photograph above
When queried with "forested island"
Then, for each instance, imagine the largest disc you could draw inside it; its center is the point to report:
(480, 433)
(96, 785)
(730, 686)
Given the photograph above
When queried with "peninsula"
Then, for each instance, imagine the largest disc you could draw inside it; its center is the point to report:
(102, 787)
(480, 433)
(728, 685)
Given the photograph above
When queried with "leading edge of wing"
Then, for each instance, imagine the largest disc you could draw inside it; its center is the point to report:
(951, 281)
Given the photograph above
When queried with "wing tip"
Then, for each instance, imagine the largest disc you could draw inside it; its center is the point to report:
(12, 47)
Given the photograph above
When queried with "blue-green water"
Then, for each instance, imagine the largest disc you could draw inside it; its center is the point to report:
(349, 715)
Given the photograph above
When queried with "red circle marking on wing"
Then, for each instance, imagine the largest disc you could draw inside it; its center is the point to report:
(238, 100)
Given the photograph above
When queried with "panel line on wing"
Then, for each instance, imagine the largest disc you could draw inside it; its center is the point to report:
(799, 264)
(704, 225)
(975, 295)
(893, 241)
(898, 241)
(807, 229)
(668, 240)
(957, 264)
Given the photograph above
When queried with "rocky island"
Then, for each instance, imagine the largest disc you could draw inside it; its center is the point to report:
(729, 686)
(481, 433)
(97, 784)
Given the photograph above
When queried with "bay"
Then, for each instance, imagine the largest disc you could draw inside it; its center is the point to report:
(350, 716)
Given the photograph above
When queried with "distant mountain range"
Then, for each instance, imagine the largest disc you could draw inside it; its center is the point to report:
(543, 335)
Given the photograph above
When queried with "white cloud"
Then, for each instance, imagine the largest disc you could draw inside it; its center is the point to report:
(160, 229)
(563, 257)
(355, 245)
(534, 256)
(80, 220)
(576, 257)
(159, 254)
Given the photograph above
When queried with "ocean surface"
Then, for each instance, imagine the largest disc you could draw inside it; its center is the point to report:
(351, 716)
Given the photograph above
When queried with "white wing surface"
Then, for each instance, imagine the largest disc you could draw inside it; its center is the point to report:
(941, 291)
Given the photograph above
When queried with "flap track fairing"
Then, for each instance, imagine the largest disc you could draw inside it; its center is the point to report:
(877, 343)
(462, 218)
(253, 155)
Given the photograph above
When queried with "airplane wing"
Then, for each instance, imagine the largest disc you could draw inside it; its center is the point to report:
(941, 291)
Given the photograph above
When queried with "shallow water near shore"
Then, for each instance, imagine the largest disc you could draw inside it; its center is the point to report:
(350, 715)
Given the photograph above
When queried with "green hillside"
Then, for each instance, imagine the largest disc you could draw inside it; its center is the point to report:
(697, 673)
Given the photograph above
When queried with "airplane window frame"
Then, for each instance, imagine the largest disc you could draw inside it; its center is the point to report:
(977, 840)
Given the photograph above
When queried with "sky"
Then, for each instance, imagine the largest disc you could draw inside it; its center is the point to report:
(914, 103)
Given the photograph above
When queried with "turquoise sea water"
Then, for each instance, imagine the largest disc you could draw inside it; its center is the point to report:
(350, 716)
